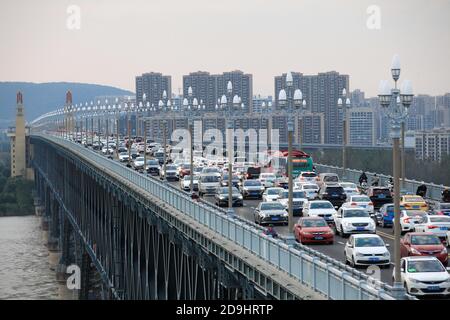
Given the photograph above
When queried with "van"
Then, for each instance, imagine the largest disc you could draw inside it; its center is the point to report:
(208, 183)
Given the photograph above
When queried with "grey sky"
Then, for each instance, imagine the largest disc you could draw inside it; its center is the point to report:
(122, 38)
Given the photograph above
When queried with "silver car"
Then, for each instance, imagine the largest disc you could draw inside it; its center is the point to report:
(270, 213)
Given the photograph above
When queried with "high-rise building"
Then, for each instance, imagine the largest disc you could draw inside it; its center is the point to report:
(20, 150)
(321, 93)
(242, 86)
(360, 127)
(312, 128)
(433, 144)
(204, 87)
(258, 102)
(357, 98)
(153, 84)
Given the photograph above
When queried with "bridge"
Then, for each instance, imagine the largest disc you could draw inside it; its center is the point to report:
(136, 237)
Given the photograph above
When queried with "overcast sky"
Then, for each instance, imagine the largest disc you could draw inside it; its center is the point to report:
(120, 39)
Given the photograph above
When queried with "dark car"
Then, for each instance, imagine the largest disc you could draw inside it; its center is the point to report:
(385, 217)
(159, 155)
(379, 196)
(221, 197)
(153, 167)
(333, 193)
(253, 172)
(234, 181)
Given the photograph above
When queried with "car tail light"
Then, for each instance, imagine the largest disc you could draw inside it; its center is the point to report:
(354, 204)
(432, 227)
(406, 220)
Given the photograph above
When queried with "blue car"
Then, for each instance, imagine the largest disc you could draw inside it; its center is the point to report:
(385, 217)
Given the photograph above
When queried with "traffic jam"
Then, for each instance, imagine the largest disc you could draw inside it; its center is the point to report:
(350, 222)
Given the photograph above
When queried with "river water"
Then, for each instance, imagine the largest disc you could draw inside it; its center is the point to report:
(25, 269)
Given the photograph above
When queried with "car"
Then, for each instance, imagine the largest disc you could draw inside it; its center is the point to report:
(159, 155)
(413, 202)
(423, 244)
(138, 163)
(282, 182)
(171, 173)
(153, 167)
(385, 216)
(122, 149)
(271, 194)
(311, 189)
(270, 212)
(252, 172)
(437, 224)
(409, 218)
(185, 183)
(313, 230)
(134, 153)
(267, 179)
(361, 201)
(123, 157)
(252, 189)
(379, 196)
(320, 208)
(298, 200)
(221, 197)
(333, 193)
(442, 208)
(350, 188)
(184, 169)
(366, 249)
(307, 176)
(208, 183)
(353, 220)
(324, 178)
(234, 180)
(422, 276)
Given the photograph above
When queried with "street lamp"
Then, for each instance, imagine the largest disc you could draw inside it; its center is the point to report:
(190, 112)
(395, 103)
(344, 103)
(286, 100)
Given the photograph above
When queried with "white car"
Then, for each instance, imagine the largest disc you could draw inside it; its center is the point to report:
(424, 276)
(299, 200)
(123, 157)
(361, 201)
(185, 183)
(353, 220)
(271, 194)
(307, 176)
(320, 208)
(267, 179)
(409, 219)
(138, 163)
(366, 249)
(350, 188)
(437, 224)
(311, 189)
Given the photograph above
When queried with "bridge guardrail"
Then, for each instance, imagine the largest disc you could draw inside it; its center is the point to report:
(310, 268)
(434, 191)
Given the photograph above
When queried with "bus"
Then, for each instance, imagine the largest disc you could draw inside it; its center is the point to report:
(301, 161)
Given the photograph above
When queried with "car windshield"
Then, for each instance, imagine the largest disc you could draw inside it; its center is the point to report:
(171, 168)
(330, 179)
(272, 206)
(440, 219)
(321, 205)
(252, 183)
(273, 192)
(233, 178)
(309, 174)
(348, 185)
(309, 187)
(209, 170)
(140, 159)
(415, 213)
(355, 214)
(390, 208)
(415, 266)
(210, 179)
(224, 190)
(413, 199)
(377, 192)
(298, 194)
(153, 162)
(361, 199)
(334, 189)
(314, 223)
(445, 206)
(186, 166)
(429, 239)
(369, 242)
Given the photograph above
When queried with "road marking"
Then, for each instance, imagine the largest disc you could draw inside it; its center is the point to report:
(386, 235)
(340, 242)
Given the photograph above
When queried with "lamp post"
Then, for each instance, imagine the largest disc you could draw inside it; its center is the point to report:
(286, 99)
(145, 135)
(128, 108)
(344, 103)
(395, 103)
(190, 113)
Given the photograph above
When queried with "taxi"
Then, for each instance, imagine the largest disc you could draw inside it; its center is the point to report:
(413, 202)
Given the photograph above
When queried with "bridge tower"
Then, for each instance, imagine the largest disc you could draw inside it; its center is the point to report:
(18, 137)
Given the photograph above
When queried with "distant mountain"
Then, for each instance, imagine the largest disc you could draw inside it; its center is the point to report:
(40, 98)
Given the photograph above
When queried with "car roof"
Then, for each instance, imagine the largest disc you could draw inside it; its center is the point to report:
(365, 235)
(417, 258)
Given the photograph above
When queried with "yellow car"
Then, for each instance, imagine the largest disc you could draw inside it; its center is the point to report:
(412, 202)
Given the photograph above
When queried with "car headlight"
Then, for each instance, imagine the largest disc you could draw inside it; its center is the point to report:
(386, 254)
(348, 224)
(371, 224)
(358, 254)
(240, 197)
(415, 251)
(285, 214)
(414, 280)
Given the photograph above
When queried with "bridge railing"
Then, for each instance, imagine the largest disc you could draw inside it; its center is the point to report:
(434, 191)
(326, 276)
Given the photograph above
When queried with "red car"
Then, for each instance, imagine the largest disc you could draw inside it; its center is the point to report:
(313, 230)
(185, 170)
(423, 244)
